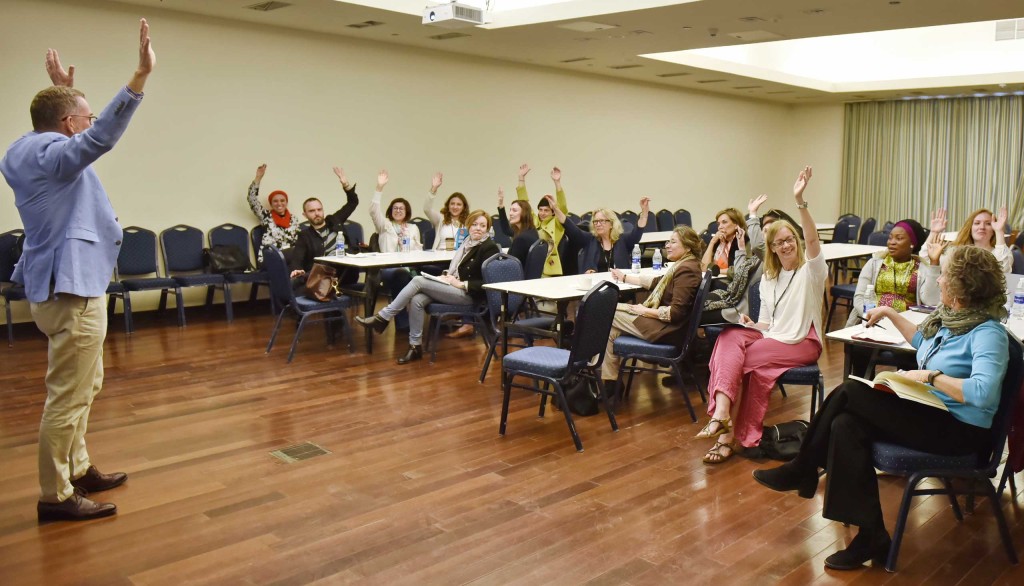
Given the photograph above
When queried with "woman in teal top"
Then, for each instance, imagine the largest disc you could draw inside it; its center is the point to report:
(962, 352)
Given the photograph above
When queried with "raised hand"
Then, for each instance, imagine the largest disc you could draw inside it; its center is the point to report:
(938, 223)
(501, 197)
(523, 170)
(147, 57)
(260, 172)
(56, 72)
(801, 183)
(436, 181)
(551, 201)
(645, 205)
(999, 222)
(341, 176)
(755, 203)
(935, 248)
(556, 174)
(382, 179)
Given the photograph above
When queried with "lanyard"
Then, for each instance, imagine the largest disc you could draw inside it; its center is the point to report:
(778, 298)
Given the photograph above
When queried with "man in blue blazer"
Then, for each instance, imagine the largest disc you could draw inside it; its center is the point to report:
(72, 238)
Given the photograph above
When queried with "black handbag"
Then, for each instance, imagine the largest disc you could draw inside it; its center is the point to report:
(782, 441)
(225, 258)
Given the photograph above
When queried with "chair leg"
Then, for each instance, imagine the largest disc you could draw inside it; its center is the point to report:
(129, 325)
(782, 390)
(689, 406)
(1004, 531)
(564, 404)
(273, 334)
(209, 296)
(607, 400)
(435, 336)
(492, 349)
(229, 308)
(506, 388)
(831, 310)
(901, 522)
(298, 333)
(10, 324)
(952, 499)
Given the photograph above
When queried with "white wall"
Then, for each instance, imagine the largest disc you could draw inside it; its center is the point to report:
(227, 96)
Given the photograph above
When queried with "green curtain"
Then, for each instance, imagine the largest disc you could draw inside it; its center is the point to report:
(906, 158)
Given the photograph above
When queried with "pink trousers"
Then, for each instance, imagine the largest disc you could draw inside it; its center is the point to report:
(744, 367)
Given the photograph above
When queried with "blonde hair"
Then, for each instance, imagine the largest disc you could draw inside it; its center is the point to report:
(616, 229)
(772, 264)
(963, 237)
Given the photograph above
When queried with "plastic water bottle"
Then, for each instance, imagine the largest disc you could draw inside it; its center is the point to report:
(1018, 301)
(636, 258)
(405, 243)
(339, 245)
(657, 259)
(460, 236)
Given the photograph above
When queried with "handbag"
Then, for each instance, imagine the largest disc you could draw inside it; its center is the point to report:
(322, 283)
(225, 258)
(782, 441)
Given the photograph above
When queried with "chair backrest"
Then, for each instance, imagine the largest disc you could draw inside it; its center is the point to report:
(628, 216)
(665, 220)
(710, 232)
(426, 231)
(230, 235)
(590, 337)
(877, 239)
(10, 252)
(1003, 417)
(138, 252)
(256, 238)
(535, 258)
(1019, 242)
(852, 226)
(1018, 261)
(754, 299)
(353, 234)
(575, 219)
(374, 242)
(866, 229)
(182, 248)
(628, 225)
(682, 218)
(698, 308)
(278, 275)
(502, 268)
(841, 233)
(586, 217)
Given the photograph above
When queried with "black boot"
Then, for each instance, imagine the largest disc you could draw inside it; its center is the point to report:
(789, 477)
(415, 353)
(376, 322)
(869, 544)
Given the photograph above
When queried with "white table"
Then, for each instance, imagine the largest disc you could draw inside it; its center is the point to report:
(382, 260)
(842, 251)
(822, 227)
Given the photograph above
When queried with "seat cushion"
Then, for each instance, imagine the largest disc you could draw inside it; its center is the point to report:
(13, 292)
(148, 284)
(305, 304)
(538, 360)
(199, 280)
(801, 375)
(896, 459)
(115, 288)
(627, 345)
(439, 308)
(845, 290)
(250, 277)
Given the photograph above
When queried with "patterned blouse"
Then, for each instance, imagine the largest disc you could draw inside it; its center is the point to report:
(896, 283)
(273, 234)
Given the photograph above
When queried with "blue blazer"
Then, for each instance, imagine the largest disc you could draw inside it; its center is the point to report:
(72, 235)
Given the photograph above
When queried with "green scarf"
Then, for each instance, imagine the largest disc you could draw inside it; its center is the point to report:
(654, 300)
(959, 321)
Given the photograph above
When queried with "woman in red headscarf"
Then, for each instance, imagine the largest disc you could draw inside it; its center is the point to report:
(280, 227)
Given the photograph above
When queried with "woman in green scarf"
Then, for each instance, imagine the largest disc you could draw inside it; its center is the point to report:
(663, 316)
(962, 352)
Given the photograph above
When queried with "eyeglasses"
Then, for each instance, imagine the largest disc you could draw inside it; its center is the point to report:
(601, 221)
(92, 117)
(780, 243)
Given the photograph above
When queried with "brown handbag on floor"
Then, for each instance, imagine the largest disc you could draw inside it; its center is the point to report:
(322, 283)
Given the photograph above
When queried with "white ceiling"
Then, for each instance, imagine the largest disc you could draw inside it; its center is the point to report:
(657, 27)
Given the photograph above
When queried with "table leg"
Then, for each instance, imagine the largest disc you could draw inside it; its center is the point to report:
(370, 304)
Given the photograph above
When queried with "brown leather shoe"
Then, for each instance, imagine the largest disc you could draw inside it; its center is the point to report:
(95, 481)
(75, 508)
(464, 331)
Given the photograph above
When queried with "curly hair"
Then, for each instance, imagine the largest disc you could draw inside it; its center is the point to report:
(689, 238)
(525, 217)
(964, 235)
(975, 279)
(463, 218)
(772, 264)
(616, 228)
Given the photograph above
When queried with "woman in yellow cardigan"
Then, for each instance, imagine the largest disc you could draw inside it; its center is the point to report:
(548, 226)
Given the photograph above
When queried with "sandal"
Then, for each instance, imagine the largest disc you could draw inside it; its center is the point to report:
(715, 455)
(724, 426)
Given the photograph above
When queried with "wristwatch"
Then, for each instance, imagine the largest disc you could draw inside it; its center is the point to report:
(932, 375)
(801, 206)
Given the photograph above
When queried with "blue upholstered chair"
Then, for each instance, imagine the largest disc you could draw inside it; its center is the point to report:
(426, 231)
(439, 312)
(634, 350)
(302, 306)
(975, 469)
(182, 248)
(666, 221)
(136, 260)
(558, 368)
(234, 235)
(682, 217)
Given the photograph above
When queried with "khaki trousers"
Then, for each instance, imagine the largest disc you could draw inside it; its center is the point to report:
(622, 323)
(76, 327)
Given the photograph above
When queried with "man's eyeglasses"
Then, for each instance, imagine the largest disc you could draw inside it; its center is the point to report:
(780, 243)
(92, 117)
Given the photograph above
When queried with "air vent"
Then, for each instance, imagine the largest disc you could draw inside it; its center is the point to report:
(815, 11)
(586, 27)
(577, 59)
(755, 36)
(676, 74)
(268, 6)
(1009, 30)
(299, 452)
(365, 24)
(448, 36)
(628, 66)
(710, 80)
(746, 87)
(751, 19)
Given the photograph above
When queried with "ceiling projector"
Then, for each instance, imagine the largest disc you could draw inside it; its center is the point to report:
(453, 15)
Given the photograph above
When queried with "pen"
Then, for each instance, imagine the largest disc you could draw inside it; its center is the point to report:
(862, 318)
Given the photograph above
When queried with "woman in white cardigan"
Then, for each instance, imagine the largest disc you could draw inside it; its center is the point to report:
(392, 227)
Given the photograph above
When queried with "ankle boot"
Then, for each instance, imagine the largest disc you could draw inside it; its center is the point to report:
(789, 477)
(869, 544)
(376, 322)
(415, 353)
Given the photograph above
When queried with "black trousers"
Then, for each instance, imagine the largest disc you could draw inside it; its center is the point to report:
(853, 417)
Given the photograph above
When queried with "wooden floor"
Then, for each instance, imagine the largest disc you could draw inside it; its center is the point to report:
(418, 487)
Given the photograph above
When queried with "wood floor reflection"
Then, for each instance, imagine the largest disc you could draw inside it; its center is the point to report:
(418, 487)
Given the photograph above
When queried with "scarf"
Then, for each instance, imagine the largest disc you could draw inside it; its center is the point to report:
(467, 245)
(654, 299)
(722, 253)
(959, 321)
(733, 295)
(285, 220)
